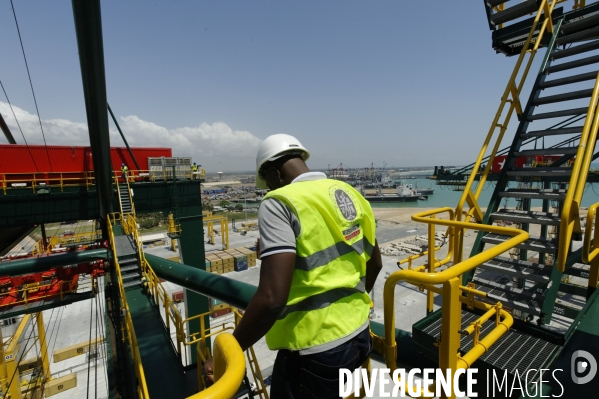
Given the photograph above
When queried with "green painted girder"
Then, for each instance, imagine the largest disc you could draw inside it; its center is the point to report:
(44, 263)
(45, 304)
(237, 293)
(23, 207)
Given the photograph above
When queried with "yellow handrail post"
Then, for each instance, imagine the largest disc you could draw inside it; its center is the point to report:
(43, 346)
(430, 296)
(589, 253)
(450, 337)
(569, 219)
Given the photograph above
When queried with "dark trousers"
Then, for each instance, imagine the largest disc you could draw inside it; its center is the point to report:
(317, 375)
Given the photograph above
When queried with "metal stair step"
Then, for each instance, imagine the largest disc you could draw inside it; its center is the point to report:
(547, 151)
(519, 216)
(541, 172)
(583, 48)
(552, 132)
(573, 289)
(128, 261)
(569, 79)
(518, 268)
(514, 298)
(534, 243)
(132, 283)
(588, 34)
(514, 12)
(572, 64)
(578, 270)
(565, 309)
(584, 23)
(129, 276)
(556, 195)
(573, 95)
(129, 268)
(557, 114)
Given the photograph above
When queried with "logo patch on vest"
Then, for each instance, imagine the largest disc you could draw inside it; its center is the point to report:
(352, 232)
(345, 204)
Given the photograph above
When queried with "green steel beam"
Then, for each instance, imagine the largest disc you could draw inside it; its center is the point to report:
(88, 26)
(235, 293)
(37, 265)
(23, 207)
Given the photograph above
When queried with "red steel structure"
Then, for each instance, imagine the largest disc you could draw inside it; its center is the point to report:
(16, 158)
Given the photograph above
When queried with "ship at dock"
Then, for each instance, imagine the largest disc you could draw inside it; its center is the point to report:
(405, 193)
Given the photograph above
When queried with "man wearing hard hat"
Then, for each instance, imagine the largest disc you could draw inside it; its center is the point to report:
(320, 259)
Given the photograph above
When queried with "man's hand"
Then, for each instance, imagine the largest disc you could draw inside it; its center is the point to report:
(209, 372)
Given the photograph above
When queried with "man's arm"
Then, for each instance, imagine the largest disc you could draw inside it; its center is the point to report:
(373, 267)
(270, 299)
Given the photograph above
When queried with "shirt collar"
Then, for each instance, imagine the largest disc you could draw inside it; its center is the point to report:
(309, 176)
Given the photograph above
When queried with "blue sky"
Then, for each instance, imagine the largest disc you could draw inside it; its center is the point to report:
(409, 83)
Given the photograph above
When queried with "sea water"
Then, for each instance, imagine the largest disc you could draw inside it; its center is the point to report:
(445, 196)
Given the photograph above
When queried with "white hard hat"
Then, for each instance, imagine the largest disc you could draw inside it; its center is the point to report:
(275, 147)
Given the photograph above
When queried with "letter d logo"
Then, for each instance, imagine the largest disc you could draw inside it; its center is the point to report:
(580, 366)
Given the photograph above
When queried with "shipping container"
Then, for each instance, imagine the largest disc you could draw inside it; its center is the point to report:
(51, 165)
(17, 158)
(178, 296)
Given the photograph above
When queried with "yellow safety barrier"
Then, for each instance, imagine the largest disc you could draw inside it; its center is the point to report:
(451, 291)
(590, 250)
(61, 180)
(570, 217)
(229, 369)
(128, 332)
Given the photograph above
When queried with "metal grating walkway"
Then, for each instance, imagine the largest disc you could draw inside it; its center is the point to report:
(514, 350)
(124, 246)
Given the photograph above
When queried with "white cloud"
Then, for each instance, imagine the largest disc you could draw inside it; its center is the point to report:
(217, 147)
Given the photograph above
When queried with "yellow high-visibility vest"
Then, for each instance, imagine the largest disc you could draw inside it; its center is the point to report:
(328, 300)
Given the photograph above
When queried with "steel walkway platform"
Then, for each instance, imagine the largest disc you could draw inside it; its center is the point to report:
(164, 374)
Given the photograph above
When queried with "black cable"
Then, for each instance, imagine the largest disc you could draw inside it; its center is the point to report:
(91, 312)
(102, 333)
(96, 357)
(19, 125)
(31, 83)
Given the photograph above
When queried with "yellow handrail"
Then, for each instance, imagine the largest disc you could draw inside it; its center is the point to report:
(590, 250)
(129, 331)
(570, 217)
(512, 89)
(229, 369)
(36, 180)
(450, 278)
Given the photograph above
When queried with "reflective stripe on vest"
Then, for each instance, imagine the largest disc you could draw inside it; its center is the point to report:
(327, 300)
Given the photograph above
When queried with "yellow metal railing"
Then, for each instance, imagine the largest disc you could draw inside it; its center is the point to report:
(24, 293)
(570, 217)
(61, 180)
(128, 332)
(229, 369)
(510, 96)
(426, 279)
(590, 248)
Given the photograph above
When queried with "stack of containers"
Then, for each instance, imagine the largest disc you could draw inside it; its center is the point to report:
(227, 260)
(216, 263)
(251, 255)
(217, 308)
(240, 260)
